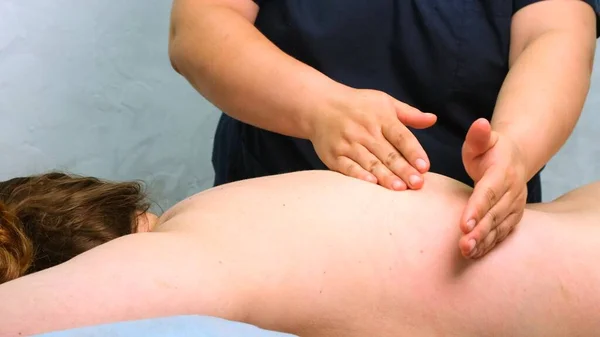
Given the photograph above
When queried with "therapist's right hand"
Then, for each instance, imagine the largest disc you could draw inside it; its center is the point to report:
(366, 137)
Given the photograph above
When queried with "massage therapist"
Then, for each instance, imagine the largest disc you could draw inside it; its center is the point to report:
(483, 91)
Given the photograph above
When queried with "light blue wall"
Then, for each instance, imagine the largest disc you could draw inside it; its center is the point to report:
(86, 86)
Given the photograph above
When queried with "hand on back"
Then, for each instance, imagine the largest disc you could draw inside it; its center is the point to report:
(366, 137)
(496, 165)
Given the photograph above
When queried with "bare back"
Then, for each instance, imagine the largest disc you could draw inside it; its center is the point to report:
(353, 258)
(320, 254)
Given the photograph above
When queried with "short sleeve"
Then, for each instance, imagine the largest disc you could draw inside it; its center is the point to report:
(519, 4)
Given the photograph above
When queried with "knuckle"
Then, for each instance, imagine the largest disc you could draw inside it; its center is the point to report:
(400, 135)
(349, 133)
(399, 143)
(381, 97)
(392, 158)
(372, 165)
(502, 236)
(350, 169)
(490, 196)
(373, 129)
(332, 160)
(502, 231)
(488, 248)
(340, 149)
(407, 144)
(493, 218)
(492, 237)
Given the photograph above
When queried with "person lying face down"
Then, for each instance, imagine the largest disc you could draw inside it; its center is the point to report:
(48, 219)
(316, 253)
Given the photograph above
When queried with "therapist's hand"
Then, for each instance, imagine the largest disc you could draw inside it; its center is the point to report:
(496, 206)
(366, 137)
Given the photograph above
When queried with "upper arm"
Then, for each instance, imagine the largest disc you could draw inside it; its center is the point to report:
(186, 15)
(184, 10)
(125, 279)
(534, 18)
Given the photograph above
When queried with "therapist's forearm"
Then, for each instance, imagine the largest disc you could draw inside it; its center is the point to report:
(220, 52)
(543, 95)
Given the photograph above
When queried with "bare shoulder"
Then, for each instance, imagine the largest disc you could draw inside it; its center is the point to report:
(269, 190)
(317, 182)
(320, 180)
(315, 191)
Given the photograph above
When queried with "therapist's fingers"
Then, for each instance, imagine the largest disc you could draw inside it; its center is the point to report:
(488, 243)
(495, 236)
(494, 224)
(396, 164)
(486, 194)
(371, 163)
(350, 168)
(411, 151)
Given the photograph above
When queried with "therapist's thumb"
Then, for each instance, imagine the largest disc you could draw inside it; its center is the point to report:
(479, 139)
(413, 117)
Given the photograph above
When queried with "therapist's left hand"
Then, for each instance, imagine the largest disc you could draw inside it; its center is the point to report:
(496, 206)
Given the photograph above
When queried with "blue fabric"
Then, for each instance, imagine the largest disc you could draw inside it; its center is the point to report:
(184, 326)
(440, 56)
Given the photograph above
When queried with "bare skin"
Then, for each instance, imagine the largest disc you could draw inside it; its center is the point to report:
(320, 254)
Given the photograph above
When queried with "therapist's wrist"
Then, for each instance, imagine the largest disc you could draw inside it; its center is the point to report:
(522, 160)
(327, 99)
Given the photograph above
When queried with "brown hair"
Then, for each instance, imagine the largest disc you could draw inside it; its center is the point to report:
(48, 219)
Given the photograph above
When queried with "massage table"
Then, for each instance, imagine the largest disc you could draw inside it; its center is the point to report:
(177, 326)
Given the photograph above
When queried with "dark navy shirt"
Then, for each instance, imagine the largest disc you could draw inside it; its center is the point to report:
(448, 57)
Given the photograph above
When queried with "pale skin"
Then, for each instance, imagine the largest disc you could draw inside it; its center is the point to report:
(363, 134)
(320, 254)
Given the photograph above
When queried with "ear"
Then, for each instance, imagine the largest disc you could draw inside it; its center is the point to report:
(142, 223)
(146, 222)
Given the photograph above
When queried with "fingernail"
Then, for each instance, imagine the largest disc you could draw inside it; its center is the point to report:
(371, 179)
(421, 164)
(398, 185)
(414, 180)
(471, 244)
(470, 225)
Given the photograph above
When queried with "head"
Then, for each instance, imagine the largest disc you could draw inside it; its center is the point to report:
(48, 219)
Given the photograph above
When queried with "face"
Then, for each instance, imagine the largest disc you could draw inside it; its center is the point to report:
(146, 222)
